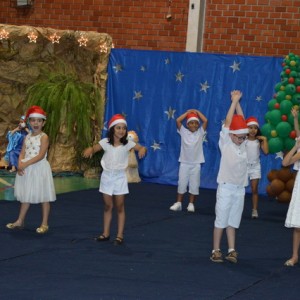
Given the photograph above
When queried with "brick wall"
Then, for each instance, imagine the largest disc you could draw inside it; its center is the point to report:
(254, 27)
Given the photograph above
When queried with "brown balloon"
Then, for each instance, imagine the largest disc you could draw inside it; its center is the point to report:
(285, 174)
(270, 191)
(285, 196)
(277, 186)
(272, 175)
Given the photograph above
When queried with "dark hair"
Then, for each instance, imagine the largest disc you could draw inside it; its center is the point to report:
(110, 136)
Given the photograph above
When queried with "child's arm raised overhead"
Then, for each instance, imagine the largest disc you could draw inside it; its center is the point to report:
(235, 98)
(202, 118)
(181, 118)
(295, 114)
(290, 158)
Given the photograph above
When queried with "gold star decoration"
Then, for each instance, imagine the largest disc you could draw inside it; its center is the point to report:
(82, 41)
(103, 48)
(32, 37)
(54, 38)
(4, 34)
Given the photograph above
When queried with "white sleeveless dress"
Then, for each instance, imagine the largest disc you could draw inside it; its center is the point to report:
(293, 215)
(36, 185)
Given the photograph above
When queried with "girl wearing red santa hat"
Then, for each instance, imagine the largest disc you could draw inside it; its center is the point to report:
(113, 182)
(34, 182)
(254, 143)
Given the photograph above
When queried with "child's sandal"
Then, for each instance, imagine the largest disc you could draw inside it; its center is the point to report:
(118, 241)
(42, 229)
(102, 238)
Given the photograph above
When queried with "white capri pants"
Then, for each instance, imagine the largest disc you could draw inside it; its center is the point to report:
(229, 205)
(189, 176)
(113, 183)
(254, 170)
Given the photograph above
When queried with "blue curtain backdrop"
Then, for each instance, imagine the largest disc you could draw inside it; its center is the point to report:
(153, 88)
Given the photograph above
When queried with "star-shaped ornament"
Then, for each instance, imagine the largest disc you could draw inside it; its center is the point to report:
(137, 95)
(167, 61)
(143, 68)
(204, 87)
(170, 113)
(258, 98)
(179, 76)
(32, 37)
(117, 68)
(155, 146)
(279, 155)
(235, 66)
(103, 48)
(4, 34)
(82, 41)
(54, 38)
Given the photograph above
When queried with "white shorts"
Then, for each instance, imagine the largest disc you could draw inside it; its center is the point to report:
(113, 183)
(254, 170)
(229, 205)
(189, 176)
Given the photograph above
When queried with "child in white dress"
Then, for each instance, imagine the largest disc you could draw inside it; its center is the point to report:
(293, 215)
(254, 143)
(34, 182)
(113, 182)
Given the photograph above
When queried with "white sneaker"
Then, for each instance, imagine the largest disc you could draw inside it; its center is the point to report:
(176, 206)
(254, 214)
(191, 207)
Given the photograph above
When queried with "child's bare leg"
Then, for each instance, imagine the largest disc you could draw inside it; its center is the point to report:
(179, 197)
(217, 236)
(107, 215)
(22, 214)
(192, 198)
(254, 189)
(45, 213)
(296, 244)
(230, 231)
(119, 201)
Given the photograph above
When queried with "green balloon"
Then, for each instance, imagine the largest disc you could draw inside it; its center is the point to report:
(274, 117)
(275, 145)
(293, 73)
(283, 129)
(271, 104)
(285, 107)
(290, 89)
(280, 96)
(296, 99)
(266, 130)
(291, 119)
(288, 143)
(277, 87)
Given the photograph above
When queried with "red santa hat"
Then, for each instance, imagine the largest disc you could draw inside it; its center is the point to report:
(192, 117)
(118, 118)
(36, 112)
(238, 125)
(252, 121)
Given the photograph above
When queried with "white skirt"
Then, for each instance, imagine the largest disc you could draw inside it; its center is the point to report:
(293, 215)
(36, 185)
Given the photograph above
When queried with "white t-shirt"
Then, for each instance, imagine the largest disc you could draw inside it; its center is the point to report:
(253, 151)
(115, 158)
(233, 164)
(191, 149)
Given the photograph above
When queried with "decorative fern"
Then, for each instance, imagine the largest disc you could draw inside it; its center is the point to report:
(70, 106)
